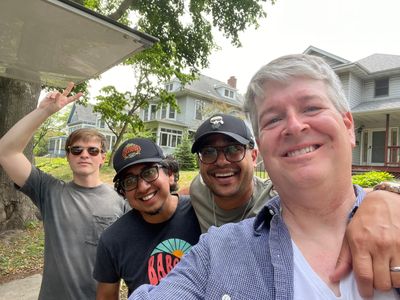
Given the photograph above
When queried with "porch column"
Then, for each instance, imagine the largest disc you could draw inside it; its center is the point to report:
(387, 138)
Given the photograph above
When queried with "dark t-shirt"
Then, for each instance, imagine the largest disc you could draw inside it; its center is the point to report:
(139, 252)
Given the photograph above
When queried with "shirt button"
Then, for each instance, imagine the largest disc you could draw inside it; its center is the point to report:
(226, 297)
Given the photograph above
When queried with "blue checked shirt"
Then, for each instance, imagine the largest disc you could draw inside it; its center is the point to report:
(249, 260)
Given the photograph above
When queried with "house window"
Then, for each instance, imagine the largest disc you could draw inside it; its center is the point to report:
(199, 107)
(101, 123)
(153, 111)
(170, 137)
(172, 113)
(145, 115)
(167, 111)
(150, 112)
(382, 87)
(164, 112)
(229, 93)
(169, 87)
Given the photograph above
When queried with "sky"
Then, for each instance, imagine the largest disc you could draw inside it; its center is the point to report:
(351, 29)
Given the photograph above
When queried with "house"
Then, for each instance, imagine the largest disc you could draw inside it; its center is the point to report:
(197, 101)
(372, 87)
(80, 117)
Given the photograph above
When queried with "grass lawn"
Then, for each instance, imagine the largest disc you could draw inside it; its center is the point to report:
(21, 251)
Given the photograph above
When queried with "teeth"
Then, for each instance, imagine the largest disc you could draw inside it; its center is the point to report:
(148, 197)
(224, 174)
(301, 151)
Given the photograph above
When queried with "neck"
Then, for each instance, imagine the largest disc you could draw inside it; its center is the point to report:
(317, 224)
(87, 181)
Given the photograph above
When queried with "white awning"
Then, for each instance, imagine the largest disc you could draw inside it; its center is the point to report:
(56, 41)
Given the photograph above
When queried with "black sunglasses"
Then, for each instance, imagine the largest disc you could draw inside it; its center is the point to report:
(77, 150)
(233, 153)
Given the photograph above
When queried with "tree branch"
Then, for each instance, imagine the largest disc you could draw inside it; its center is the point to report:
(121, 9)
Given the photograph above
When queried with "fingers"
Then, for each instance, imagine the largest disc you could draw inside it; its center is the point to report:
(343, 264)
(382, 280)
(362, 268)
(68, 89)
(395, 275)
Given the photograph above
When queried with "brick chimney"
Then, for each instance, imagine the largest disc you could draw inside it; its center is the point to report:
(232, 82)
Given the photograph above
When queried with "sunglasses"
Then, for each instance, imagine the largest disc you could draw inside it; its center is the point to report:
(77, 150)
(130, 182)
(232, 153)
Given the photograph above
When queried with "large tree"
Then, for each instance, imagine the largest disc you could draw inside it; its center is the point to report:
(185, 30)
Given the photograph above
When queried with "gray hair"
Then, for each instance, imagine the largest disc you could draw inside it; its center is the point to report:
(286, 68)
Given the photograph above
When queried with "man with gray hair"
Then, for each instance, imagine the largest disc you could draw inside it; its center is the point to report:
(305, 133)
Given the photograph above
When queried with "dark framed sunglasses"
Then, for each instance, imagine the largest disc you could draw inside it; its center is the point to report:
(150, 174)
(77, 150)
(233, 153)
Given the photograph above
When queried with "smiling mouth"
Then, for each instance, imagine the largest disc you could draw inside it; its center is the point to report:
(302, 151)
(148, 197)
(225, 174)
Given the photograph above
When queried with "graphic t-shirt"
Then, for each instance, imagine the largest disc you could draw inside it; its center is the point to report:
(139, 252)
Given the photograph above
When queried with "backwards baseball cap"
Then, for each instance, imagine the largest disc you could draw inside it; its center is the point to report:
(136, 151)
(223, 124)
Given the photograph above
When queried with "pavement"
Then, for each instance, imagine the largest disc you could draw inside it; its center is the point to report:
(21, 289)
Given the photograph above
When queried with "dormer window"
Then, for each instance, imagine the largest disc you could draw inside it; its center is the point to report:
(169, 87)
(382, 87)
(229, 93)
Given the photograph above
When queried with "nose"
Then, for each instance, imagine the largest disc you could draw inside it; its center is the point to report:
(142, 184)
(221, 159)
(294, 124)
(84, 153)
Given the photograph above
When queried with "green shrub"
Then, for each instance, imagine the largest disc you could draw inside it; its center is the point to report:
(369, 179)
(48, 164)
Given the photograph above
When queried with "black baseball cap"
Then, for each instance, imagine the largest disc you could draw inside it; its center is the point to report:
(136, 151)
(223, 124)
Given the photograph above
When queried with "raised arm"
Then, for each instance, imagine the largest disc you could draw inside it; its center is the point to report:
(372, 244)
(13, 143)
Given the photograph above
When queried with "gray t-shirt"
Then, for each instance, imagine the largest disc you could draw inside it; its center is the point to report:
(210, 214)
(73, 218)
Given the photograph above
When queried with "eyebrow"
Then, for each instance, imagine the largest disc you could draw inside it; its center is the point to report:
(304, 98)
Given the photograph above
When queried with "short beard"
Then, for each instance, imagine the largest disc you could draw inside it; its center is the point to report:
(154, 213)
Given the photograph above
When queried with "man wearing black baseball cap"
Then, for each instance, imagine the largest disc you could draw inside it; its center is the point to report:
(147, 242)
(226, 189)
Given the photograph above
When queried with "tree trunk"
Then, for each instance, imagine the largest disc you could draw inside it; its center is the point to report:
(17, 98)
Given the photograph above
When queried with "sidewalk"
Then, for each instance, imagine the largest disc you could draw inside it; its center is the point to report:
(21, 289)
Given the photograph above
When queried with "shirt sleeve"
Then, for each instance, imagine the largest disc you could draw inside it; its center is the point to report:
(105, 267)
(188, 280)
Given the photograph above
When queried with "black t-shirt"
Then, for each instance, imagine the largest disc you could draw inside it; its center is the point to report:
(139, 252)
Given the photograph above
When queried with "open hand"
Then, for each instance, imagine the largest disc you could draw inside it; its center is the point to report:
(55, 101)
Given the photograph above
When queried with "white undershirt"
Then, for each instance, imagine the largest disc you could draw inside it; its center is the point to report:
(309, 286)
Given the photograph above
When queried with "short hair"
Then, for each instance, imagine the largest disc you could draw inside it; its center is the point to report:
(86, 134)
(169, 166)
(173, 166)
(286, 68)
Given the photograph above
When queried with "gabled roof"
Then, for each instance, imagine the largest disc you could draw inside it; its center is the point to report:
(80, 113)
(332, 59)
(380, 62)
(208, 86)
(370, 66)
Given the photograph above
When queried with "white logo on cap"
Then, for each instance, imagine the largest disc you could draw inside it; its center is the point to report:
(216, 122)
